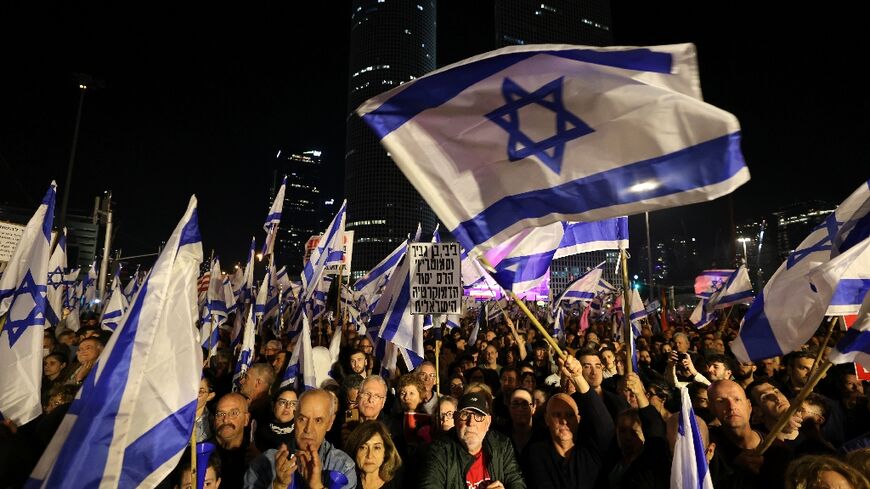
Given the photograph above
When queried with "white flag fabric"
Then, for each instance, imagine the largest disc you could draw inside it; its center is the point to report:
(117, 303)
(701, 315)
(689, 467)
(331, 241)
(585, 288)
(301, 361)
(273, 219)
(370, 286)
(392, 315)
(786, 314)
(128, 425)
(246, 355)
(56, 281)
(638, 310)
(22, 316)
(525, 136)
(215, 297)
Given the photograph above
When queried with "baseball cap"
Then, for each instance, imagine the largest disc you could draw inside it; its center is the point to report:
(475, 401)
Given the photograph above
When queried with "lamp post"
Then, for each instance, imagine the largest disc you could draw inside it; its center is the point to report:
(72, 157)
(743, 241)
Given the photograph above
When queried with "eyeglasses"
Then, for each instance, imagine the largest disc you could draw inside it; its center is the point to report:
(520, 404)
(446, 415)
(429, 376)
(285, 403)
(369, 396)
(457, 386)
(232, 414)
(465, 416)
(204, 392)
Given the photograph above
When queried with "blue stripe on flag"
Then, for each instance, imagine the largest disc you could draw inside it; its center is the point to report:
(435, 90)
(850, 291)
(853, 341)
(685, 170)
(151, 450)
(397, 311)
(739, 296)
(757, 333)
(190, 232)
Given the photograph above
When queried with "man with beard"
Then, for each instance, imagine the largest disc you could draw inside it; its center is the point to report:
(231, 420)
(471, 455)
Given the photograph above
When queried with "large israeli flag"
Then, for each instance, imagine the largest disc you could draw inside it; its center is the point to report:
(370, 286)
(331, 240)
(56, 281)
(128, 426)
(585, 288)
(525, 136)
(790, 308)
(22, 316)
(711, 281)
(273, 219)
(392, 315)
(689, 468)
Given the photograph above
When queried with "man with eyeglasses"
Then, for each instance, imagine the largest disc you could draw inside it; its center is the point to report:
(371, 398)
(470, 455)
(308, 461)
(231, 419)
(574, 454)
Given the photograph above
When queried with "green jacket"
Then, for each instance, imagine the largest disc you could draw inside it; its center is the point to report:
(447, 462)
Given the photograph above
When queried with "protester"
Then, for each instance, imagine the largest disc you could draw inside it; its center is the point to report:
(378, 464)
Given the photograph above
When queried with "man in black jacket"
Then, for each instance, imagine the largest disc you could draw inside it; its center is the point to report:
(570, 459)
(471, 456)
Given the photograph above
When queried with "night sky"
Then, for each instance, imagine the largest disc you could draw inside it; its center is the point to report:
(200, 99)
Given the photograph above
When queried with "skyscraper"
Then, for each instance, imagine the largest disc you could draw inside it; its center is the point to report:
(391, 42)
(303, 204)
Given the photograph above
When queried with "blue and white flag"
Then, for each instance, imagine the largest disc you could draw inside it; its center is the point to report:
(128, 426)
(331, 241)
(585, 288)
(117, 303)
(267, 296)
(246, 355)
(132, 286)
(855, 344)
(215, 297)
(790, 308)
(89, 285)
(559, 324)
(392, 315)
(702, 315)
(370, 286)
(246, 294)
(301, 361)
(736, 290)
(73, 300)
(711, 281)
(638, 310)
(525, 136)
(22, 316)
(689, 467)
(583, 237)
(273, 219)
(56, 284)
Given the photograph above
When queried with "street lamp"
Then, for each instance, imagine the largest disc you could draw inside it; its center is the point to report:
(743, 241)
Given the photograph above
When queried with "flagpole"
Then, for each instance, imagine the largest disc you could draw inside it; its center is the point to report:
(489, 268)
(280, 312)
(626, 308)
(193, 454)
(831, 324)
(338, 299)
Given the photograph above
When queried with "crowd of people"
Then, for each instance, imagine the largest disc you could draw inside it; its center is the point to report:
(502, 409)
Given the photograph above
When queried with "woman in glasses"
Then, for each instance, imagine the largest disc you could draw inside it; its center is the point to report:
(279, 428)
(446, 408)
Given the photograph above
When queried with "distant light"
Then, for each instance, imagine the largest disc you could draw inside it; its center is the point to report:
(635, 277)
(693, 240)
(83, 87)
(259, 257)
(743, 240)
(330, 202)
(644, 186)
(279, 154)
(96, 301)
(636, 286)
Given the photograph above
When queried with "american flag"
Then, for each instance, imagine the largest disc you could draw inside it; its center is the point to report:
(202, 286)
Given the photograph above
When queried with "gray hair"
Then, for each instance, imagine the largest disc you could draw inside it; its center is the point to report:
(333, 400)
(374, 378)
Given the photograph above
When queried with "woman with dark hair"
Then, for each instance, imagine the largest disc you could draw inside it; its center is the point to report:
(279, 428)
(53, 367)
(378, 462)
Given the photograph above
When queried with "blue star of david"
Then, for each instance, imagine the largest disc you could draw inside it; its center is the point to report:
(36, 316)
(824, 244)
(55, 278)
(520, 146)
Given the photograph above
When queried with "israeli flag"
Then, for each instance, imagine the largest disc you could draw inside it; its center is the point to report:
(56, 281)
(132, 286)
(246, 294)
(790, 308)
(559, 324)
(392, 315)
(300, 370)
(89, 284)
(246, 355)
(22, 316)
(128, 426)
(702, 315)
(736, 290)
(689, 467)
(114, 309)
(855, 344)
(370, 286)
(73, 301)
(711, 281)
(273, 219)
(331, 241)
(209, 336)
(584, 288)
(530, 135)
(267, 295)
(638, 310)
(215, 297)
(583, 237)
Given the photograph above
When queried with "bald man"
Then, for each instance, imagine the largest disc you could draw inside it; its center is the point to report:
(309, 455)
(571, 458)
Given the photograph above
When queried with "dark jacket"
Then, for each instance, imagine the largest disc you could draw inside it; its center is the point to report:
(447, 462)
(583, 464)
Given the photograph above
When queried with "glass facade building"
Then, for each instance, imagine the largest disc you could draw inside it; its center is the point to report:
(391, 42)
